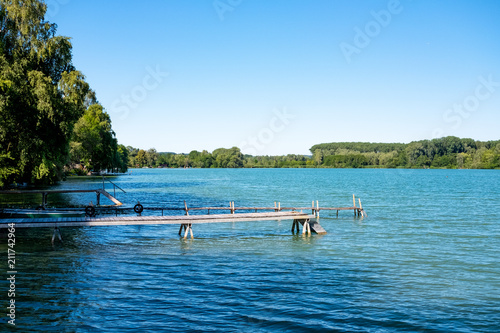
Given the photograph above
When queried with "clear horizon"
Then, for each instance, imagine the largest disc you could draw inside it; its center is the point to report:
(277, 78)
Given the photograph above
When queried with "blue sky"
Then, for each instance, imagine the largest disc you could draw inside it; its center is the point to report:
(276, 77)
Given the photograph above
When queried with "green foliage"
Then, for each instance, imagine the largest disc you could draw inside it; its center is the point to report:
(346, 161)
(42, 94)
(228, 158)
(93, 142)
(8, 169)
(140, 159)
(121, 159)
(447, 152)
(42, 97)
(361, 147)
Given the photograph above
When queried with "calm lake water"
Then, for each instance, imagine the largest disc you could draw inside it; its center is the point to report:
(426, 259)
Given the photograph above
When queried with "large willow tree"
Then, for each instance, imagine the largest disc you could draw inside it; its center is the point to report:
(41, 94)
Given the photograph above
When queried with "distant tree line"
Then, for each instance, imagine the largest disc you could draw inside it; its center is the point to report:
(50, 120)
(219, 158)
(449, 152)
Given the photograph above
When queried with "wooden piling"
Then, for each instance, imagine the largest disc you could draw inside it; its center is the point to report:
(306, 228)
(189, 230)
(354, 204)
(317, 209)
(180, 229)
(44, 199)
(295, 226)
(57, 233)
(186, 208)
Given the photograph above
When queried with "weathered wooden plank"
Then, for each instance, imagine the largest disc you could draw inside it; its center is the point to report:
(151, 220)
(110, 197)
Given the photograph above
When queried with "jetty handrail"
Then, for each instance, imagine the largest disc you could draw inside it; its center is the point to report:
(315, 209)
(104, 178)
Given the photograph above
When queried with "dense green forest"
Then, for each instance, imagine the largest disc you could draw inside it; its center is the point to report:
(448, 152)
(50, 120)
(219, 158)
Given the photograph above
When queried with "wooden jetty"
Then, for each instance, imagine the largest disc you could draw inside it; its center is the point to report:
(186, 221)
(309, 222)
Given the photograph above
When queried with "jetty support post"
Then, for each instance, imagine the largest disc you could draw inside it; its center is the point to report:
(295, 226)
(98, 194)
(57, 233)
(317, 209)
(354, 204)
(44, 200)
(185, 226)
(361, 210)
(313, 212)
(189, 230)
(180, 229)
(306, 228)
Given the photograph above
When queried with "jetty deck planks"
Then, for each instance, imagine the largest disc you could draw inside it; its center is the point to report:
(151, 220)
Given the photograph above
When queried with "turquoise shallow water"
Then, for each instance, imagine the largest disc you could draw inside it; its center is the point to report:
(426, 258)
